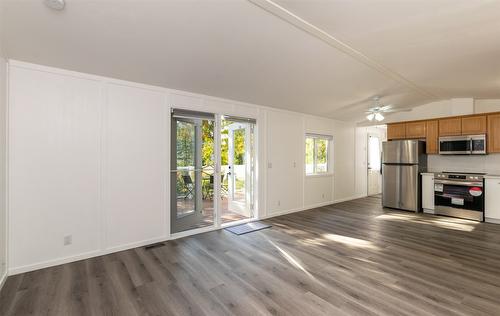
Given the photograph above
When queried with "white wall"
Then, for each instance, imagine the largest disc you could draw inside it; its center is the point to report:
(344, 160)
(3, 188)
(54, 154)
(284, 161)
(486, 105)
(89, 158)
(3, 156)
(136, 165)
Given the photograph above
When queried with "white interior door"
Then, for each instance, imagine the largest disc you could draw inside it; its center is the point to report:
(374, 146)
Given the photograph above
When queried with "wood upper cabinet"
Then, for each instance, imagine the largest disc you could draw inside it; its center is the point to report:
(494, 133)
(474, 125)
(396, 131)
(432, 137)
(450, 126)
(415, 129)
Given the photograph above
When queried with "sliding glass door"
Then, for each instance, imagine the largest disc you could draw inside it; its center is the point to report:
(212, 170)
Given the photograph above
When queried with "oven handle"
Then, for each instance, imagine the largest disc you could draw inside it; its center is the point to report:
(464, 184)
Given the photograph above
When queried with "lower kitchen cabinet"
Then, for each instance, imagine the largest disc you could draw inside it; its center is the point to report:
(492, 200)
(428, 192)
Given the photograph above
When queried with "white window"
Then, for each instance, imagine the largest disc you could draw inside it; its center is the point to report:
(317, 154)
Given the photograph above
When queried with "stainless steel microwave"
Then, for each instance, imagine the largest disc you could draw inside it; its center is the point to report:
(463, 145)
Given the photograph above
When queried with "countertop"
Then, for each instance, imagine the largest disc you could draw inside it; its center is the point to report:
(492, 176)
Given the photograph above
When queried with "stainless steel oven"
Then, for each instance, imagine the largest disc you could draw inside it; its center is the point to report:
(462, 145)
(459, 195)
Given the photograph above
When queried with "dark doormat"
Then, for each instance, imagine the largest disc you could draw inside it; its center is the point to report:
(247, 228)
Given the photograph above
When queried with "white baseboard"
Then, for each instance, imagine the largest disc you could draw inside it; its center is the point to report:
(299, 209)
(82, 256)
(350, 198)
(427, 211)
(3, 278)
(308, 207)
(492, 220)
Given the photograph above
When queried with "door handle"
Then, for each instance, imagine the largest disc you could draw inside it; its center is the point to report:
(463, 184)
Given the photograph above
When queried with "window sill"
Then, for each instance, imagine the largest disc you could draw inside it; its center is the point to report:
(319, 175)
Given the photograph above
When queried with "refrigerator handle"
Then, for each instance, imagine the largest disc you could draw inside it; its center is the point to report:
(381, 162)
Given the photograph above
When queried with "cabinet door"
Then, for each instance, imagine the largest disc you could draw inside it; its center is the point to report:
(396, 131)
(415, 130)
(494, 133)
(450, 126)
(474, 125)
(428, 192)
(492, 199)
(432, 137)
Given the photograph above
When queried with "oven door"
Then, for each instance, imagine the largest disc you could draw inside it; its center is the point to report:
(459, 195)
(455, 145)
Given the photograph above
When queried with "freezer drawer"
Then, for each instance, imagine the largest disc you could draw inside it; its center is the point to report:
(401, 187)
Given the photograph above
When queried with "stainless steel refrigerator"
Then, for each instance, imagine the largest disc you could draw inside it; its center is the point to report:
(402, 163)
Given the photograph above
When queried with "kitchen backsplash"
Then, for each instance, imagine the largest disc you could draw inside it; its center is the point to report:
(479, 163)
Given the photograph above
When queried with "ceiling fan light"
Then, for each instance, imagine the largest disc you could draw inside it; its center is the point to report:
(379, 117)
(370, 116)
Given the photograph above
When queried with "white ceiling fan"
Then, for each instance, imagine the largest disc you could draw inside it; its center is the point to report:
(377, 110)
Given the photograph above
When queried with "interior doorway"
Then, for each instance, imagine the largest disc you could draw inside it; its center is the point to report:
(374, 155)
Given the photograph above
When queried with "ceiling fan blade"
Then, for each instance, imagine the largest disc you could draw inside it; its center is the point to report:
(397, 110)
(385, 107)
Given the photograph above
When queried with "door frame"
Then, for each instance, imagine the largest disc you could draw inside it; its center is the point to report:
(368, 163)
(195, 215)
(217, 183)
(247, 205)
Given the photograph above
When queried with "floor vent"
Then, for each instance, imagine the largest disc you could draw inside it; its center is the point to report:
(160, 244)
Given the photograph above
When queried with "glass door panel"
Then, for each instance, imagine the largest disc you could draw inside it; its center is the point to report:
(192, 169)
(237, 169)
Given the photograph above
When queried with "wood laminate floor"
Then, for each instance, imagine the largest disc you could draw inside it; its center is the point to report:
(352, 258)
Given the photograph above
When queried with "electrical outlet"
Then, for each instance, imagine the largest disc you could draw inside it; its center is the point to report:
(323, 195)
(68, 240)
(269, 165)
(279, 203)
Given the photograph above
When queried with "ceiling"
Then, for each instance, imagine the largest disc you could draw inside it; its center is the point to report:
(321, 57)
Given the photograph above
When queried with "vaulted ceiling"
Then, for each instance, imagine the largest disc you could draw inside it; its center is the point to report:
(321, 57)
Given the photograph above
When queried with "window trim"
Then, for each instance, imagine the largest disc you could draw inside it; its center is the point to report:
(329, 145)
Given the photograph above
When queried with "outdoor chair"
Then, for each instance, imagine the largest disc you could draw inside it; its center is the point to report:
(223, 187)
(188, 185)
